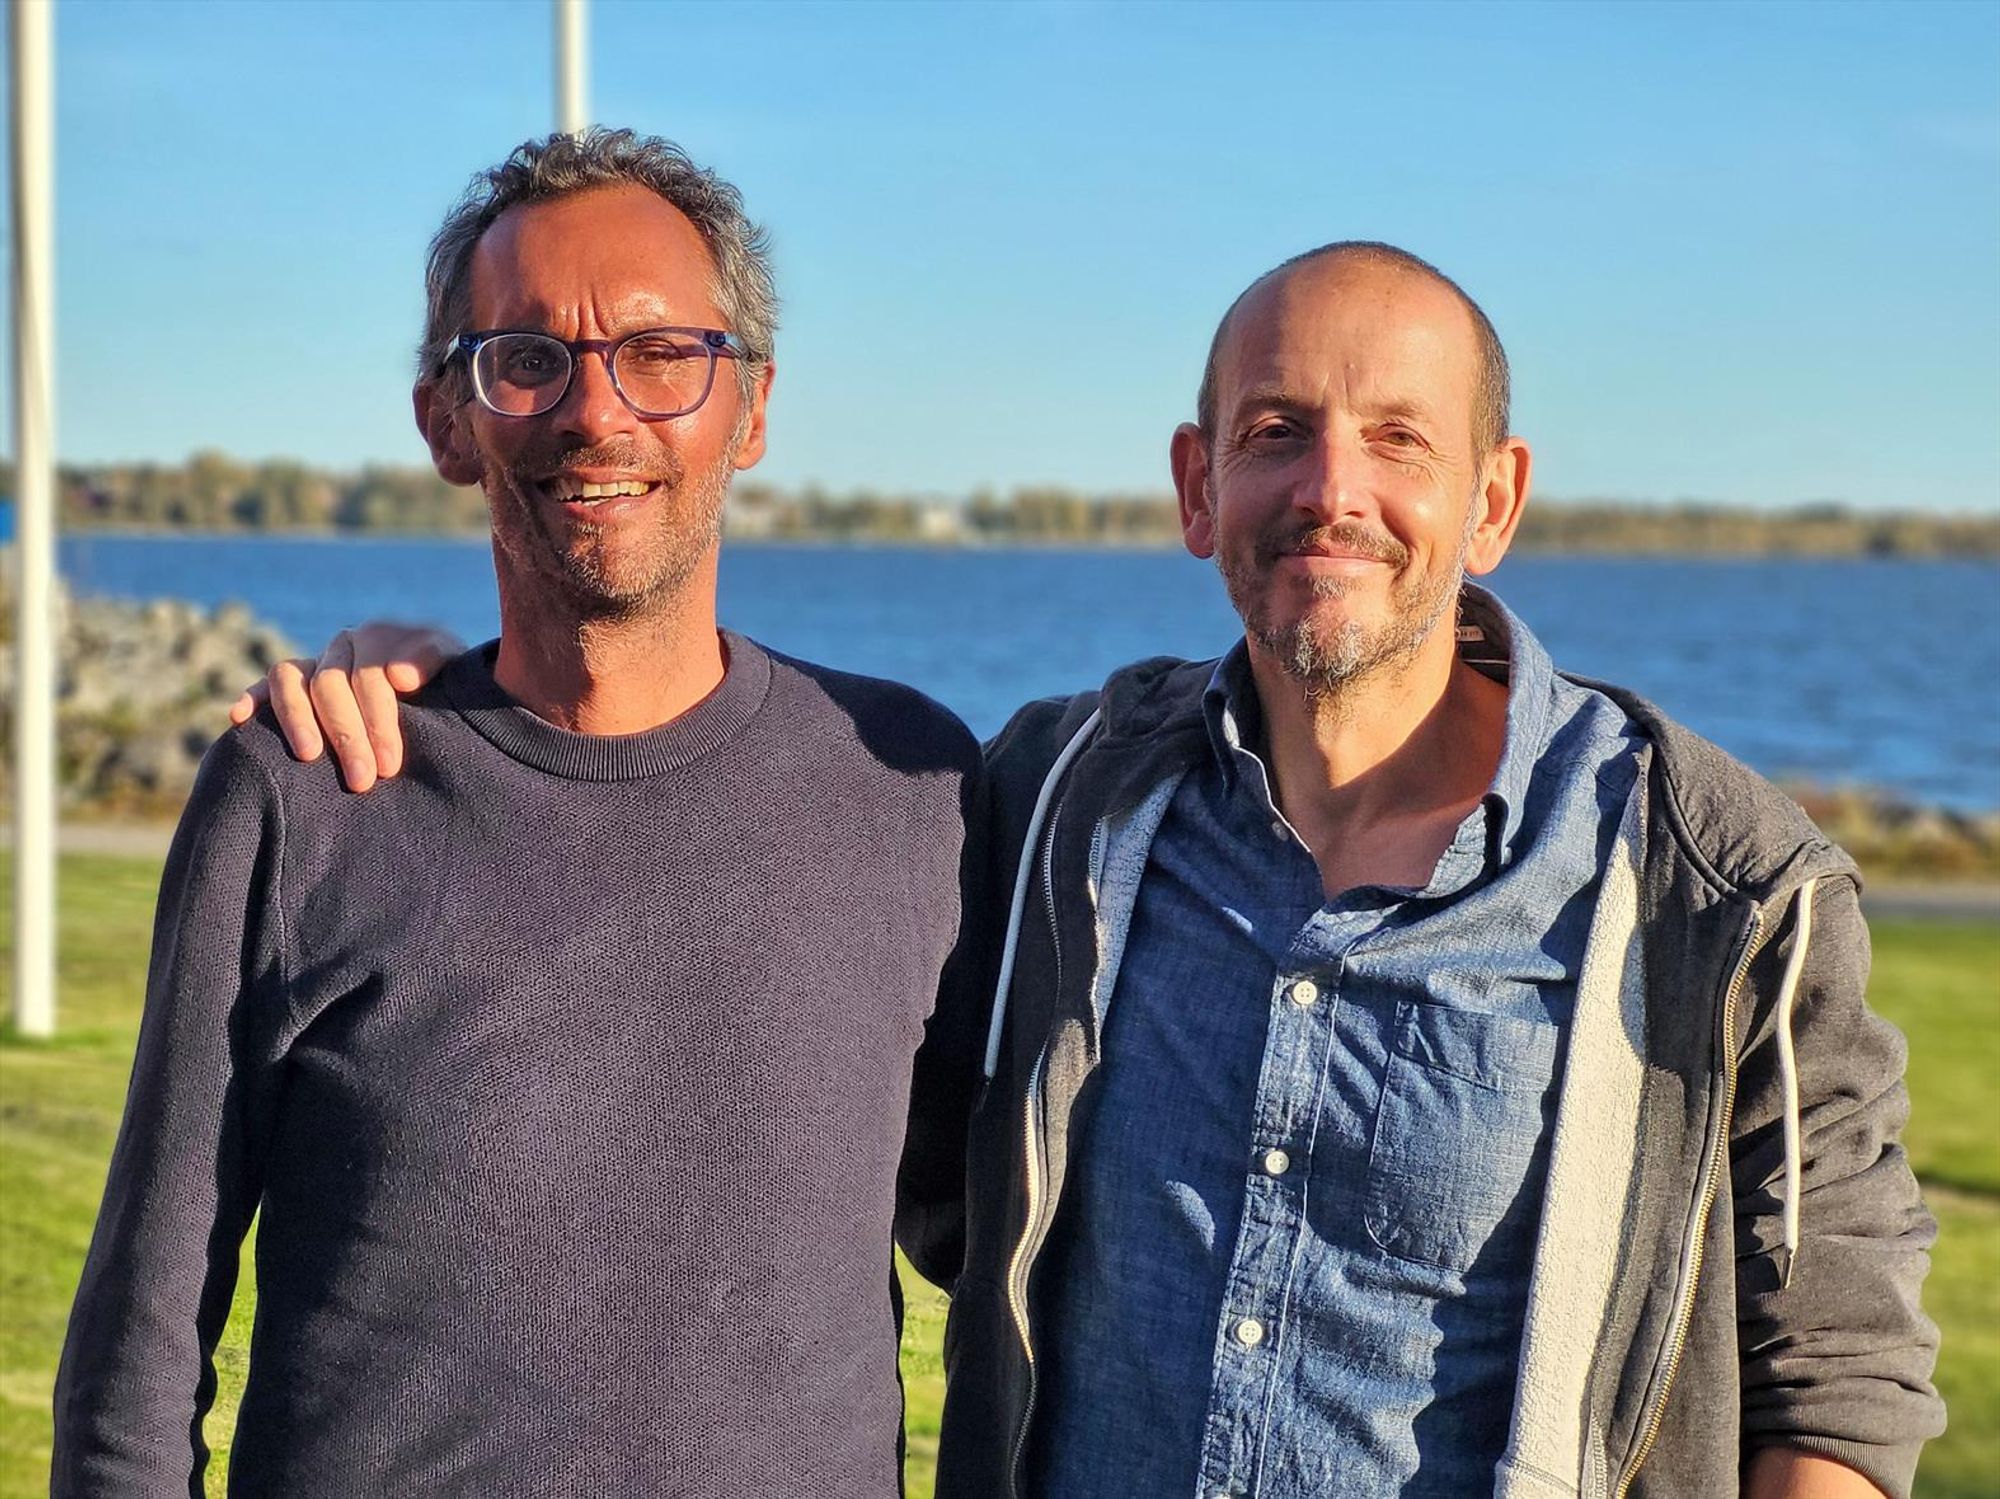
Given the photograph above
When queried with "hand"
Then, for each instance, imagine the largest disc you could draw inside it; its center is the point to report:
(348, 696)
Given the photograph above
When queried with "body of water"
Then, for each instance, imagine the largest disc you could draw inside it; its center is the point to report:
(1878, 672)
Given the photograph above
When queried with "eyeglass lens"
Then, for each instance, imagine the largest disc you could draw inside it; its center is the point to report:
(659, 374)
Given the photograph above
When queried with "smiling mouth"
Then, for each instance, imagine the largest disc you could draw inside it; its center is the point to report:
(1332, 554)
(1338, 544)
(568, 490)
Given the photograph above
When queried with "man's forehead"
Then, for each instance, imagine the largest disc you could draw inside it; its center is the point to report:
(1349, 319)
(617, 250)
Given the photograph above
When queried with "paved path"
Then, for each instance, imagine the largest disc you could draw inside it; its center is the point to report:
(134, 840)
(1968, 902)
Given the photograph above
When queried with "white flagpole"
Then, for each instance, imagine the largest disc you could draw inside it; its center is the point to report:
(572, 110)
(33, 22)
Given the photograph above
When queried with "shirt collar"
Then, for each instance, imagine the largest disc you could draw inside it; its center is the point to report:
(1230, 709)
(1490, 638)
(1504, 647)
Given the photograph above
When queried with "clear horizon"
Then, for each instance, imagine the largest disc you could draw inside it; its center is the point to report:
(1745, 254)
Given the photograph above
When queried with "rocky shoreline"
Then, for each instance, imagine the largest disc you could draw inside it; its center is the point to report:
(142, 690)
(1893, 839)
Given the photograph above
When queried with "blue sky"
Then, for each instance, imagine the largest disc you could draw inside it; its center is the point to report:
(1746, 253)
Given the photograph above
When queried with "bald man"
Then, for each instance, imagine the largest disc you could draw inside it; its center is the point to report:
(1417, 1072)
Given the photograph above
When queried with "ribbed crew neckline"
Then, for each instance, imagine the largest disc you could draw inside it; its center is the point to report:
(516, 732)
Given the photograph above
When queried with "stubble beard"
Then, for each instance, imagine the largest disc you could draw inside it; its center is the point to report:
(578, 570)
(1329, 658)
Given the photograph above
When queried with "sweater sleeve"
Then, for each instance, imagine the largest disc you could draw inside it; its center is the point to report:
(945, 1085)
(137, 1373)
(1837, 1360)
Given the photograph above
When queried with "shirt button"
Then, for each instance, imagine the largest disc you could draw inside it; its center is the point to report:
(1278, 832)
(1276, 1162)
(1249, 1332)
(1304, 992)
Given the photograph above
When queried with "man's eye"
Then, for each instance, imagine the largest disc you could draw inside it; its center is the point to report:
(659, 353)
(1265, 433)
(529, 365)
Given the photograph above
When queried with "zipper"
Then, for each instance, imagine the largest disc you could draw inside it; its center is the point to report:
(1049, 883)
(1017, 1279)
(1037, 1163)
(1713, 1168)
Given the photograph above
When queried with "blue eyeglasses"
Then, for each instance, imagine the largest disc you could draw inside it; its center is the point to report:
(658, 372)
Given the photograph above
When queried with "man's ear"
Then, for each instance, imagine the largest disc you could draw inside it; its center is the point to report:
(751, 448)
(1189, 457)
(442, 422)
(1502, 497)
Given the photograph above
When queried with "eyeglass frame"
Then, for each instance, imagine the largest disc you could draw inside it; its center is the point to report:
(719, 343)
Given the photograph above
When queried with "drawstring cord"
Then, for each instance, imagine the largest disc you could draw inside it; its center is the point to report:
(1021, 877)
(1788, 1079)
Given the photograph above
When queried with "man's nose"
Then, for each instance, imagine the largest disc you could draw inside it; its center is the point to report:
(592, 408)
(1330, 481)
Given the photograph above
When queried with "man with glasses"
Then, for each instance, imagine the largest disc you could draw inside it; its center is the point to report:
(567, 1075)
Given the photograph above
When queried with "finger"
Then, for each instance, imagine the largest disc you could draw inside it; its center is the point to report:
(436, 648)
(245, 707)
(339, 652)
(411, 654)
(423, 659)
(339, 713)
(292, 705)
(379, 712)
(254, 697)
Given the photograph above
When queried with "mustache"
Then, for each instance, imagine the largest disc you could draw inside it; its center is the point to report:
(660, 466)
(1342, 536)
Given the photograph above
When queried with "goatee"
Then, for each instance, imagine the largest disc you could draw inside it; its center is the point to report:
(1325, 658)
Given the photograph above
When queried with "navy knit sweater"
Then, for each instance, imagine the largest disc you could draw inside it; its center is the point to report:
(568, 1075)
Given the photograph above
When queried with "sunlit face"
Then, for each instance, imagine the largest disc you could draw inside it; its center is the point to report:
(1342, 496)
(594, 266)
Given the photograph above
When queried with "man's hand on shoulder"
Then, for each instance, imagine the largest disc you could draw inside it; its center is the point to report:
(348, 696)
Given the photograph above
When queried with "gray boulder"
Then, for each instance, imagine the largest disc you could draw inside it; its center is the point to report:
(142, 690)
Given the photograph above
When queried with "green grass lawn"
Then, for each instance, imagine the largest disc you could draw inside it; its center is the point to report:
(1941, 983)
(60, 1101)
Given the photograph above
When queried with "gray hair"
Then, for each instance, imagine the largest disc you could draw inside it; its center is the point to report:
(1491, 396)
(557, 166)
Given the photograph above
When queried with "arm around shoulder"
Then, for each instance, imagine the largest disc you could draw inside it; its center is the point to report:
(137, 1374)
(1837, 1353)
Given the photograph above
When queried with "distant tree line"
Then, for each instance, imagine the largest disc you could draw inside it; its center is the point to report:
(1033, 515)
(1700, 528)
(214, 492)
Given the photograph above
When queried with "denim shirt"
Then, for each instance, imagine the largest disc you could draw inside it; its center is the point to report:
(1292, 1259)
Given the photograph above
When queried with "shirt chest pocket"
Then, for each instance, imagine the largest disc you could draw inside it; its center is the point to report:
(1459, 1150)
